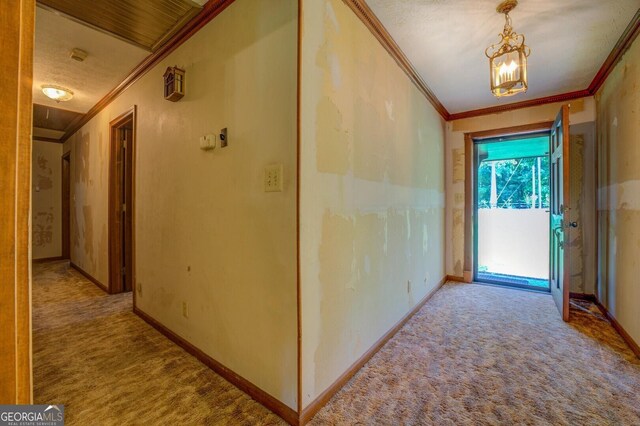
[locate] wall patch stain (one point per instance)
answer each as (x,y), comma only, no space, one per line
(332,143)
(43,228)
(458,165)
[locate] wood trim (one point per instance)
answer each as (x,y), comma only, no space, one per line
(307,414)
(16,32)
(469,183)
(623,44)
(468,208)
(210,10)
(583,296)
(298,191)
(455,278)
(270,402)
(45,139)
(89,277)
(47,259)
(65,206)
(512,130)
(621,331)
(371,21)
(115,243)
(563,97)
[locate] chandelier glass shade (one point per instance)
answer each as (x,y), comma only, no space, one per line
(508,58)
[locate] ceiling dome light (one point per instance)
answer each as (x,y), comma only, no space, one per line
(508,58)
(57,93)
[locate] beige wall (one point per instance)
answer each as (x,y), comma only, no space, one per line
(46,200)
(372,193)
(206,232)
(582,112)
(618,103)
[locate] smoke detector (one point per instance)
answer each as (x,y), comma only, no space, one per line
(78,54)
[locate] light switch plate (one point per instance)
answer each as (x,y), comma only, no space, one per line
(273,178)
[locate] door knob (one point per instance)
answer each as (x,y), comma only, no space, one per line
(572,225)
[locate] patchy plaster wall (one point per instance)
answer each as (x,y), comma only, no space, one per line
(46,200)
(618,108)
(582,114)
(206,232)
(372,193)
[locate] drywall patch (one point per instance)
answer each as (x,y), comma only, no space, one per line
(458,165)
(458,240)
(370,150)
(336,275)
(43,228)
(332,154)
(87,231)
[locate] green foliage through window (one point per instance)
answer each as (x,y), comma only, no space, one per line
(518,183)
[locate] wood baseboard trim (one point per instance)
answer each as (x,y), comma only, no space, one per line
(48,259)
(89,277)
(621,331)
(315,406)
(455,278)
(583,296)
(285,412)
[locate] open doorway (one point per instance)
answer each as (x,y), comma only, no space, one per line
(66,206)
(511,210)
(121,187)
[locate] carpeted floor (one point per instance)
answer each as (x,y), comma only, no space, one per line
(474,354)
(109,367)
(482,355)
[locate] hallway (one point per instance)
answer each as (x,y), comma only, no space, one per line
(109,367)
(473,355)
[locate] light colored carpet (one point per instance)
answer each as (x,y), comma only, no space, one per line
(481,355)
(473,355)
(109,367)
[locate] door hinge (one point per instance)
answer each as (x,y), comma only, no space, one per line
(123,271)
(124,144)
(124,207)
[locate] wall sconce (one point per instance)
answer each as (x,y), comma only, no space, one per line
(173,84)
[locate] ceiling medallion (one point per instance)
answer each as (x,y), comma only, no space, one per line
(508,58)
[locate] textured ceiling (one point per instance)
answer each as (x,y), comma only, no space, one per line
(144,23)
(445,41)
(109,61)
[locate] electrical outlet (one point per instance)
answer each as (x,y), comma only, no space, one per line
(273,178)
(185,310)
(140,289)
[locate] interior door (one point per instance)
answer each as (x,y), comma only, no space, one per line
(560,225)
(66,206)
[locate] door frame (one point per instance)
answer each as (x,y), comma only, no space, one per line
(66,206)
(470,181)
(115,239)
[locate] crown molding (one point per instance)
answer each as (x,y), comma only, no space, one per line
(623,44)
(210,10)
(371,21)
(517,105)
(366,15)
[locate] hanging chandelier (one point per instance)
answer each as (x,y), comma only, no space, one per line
(508,58)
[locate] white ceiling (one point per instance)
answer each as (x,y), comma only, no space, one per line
(445,41)
(109,61)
